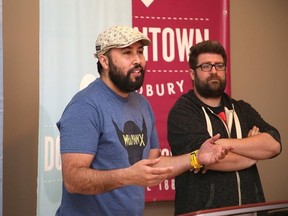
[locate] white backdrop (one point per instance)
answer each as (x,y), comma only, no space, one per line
(68,31)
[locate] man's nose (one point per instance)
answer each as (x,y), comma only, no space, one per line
(213,69)
(136,58)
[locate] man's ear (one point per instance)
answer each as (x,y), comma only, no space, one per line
(104,61)
(192,74)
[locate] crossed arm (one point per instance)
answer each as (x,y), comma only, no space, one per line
(247,151)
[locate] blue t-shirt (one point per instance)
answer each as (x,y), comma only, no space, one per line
(119,132)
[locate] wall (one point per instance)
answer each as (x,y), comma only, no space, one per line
(259,75)
(20,141)
(259,44)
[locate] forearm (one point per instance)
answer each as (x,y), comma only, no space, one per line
(179,164)
(88,181)
(259,147)
(232,162)
(208,154)
(79,177)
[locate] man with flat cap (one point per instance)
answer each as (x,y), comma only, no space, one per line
(108,140)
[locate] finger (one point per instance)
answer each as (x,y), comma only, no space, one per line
(227,150)
(214,138)
(221,156)
(254,131)
(150,162)
(161,171)
(224,152)
(256,128)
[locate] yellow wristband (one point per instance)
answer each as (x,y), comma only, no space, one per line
(193,160)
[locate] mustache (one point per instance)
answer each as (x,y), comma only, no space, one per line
(135,67)
(213,77)
(138,66)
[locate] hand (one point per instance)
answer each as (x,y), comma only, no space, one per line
(210,153)
(254,131)
(144,174)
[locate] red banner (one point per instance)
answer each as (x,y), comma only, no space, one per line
(173,27)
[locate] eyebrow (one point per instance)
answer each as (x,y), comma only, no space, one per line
(216,62)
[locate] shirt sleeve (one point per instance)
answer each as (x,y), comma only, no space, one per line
(252,118)
(79,131)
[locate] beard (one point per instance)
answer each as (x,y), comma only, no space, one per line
(124,82)
(210,88)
